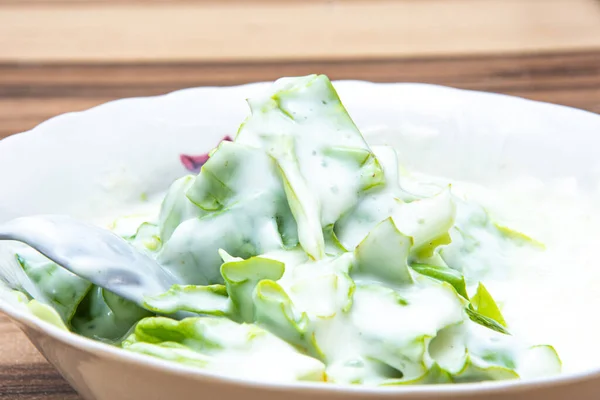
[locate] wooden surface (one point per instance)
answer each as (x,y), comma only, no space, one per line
(66,55)
(289,29)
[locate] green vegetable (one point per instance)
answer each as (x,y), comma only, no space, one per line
(427,221)
(46,313)
(384,254)
(484,304)
(304,206)
(518,237)
(102,315)
(275,312)
(486,321)
(241,278)
(444,274)
(458,350)
(435,375)
(202,342)
(301,123)
(211,300)
(176,207)
(147,238)
(249,215)
(61,288)
(538,361)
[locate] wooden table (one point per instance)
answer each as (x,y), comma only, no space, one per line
(66,55)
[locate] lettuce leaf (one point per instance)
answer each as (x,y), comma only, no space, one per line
(46,313)
(335,294)
(384,254)
(241,278)
(538,361)
(301,123)
(104,316)
(444,274)
(435,375)
(210,300)
(249,215)
(483,303)
(486,321)
(401,339)
(147,238)
(177,208)
(518,237)
(468,355)
(224,346)
(427,221)
(304,206)
(62,289)
(275,312)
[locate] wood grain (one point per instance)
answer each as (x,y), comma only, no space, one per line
(31,92)
(24,374)
(267,30)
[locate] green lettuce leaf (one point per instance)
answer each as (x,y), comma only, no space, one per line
(475,373)
(301,123)
(486,321)
(470,357)
(62,289)
(400,340)
(210,300)
(241,278)
(428,221)
(275,312)
(224,346)
(325,295)
(250,217)
(484,304)
(435,375)
(333,246)
(147,238)
(444,274)
(303,204)
(46,313)
(384,254)
(177,208)
(538,361)
(471,353)
(103,315)
(518,237)
(375,204)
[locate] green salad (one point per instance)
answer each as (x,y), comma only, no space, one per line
(306,258)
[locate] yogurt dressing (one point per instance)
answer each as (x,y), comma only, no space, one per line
(325,186)
(550,296)
(301,229)
(544,294)
(547,295)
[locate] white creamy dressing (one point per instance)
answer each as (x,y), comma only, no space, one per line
(251,352)
(367,329)
(550,296)
(547,296)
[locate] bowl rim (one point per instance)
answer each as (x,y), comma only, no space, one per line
(415,391)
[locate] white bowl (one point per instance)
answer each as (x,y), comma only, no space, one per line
(93,163)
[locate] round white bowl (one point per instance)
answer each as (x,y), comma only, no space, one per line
(94,163)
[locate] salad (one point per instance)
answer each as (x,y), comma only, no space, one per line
(306,254)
